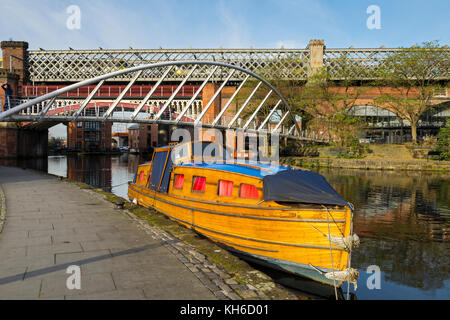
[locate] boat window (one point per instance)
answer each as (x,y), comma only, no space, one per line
(198,184)
(225,188)
(141,176)
(178,181)
(248,191)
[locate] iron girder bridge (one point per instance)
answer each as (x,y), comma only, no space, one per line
(288,64)
(246,118)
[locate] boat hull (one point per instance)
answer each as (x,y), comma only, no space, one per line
(281,238)
(294,268)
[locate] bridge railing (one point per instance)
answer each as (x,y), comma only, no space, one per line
(9,102)
(108,90)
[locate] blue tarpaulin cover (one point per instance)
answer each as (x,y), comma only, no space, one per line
(300,186)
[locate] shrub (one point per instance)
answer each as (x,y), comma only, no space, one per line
(443,142)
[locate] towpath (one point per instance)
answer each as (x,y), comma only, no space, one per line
(51,225)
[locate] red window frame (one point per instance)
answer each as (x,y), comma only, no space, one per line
(248,191)
(178,181)
(198,184)
(225,188)
(141,176)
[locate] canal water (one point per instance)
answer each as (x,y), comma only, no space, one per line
(402,219)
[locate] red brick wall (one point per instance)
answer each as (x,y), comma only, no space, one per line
(12,80)
(8,142)
(18,49)
(138,138)
(76,135)
(214,109)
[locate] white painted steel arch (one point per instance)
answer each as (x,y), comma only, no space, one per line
(16,113)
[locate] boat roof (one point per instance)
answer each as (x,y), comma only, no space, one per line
(253,169)
(247,167)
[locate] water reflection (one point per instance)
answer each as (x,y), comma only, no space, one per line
(110,173)
(403,220)
(401,217)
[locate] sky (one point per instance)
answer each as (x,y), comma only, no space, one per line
(144,24)
(117,24)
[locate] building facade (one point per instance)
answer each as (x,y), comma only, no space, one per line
(142,137)
(89,136)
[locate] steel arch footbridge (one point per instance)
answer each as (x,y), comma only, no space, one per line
(246,117)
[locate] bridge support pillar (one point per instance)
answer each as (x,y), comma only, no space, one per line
(316,48)
(15,57)
(8,140)
(21,143)
(207,93)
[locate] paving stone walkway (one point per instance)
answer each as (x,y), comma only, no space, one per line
(51,225)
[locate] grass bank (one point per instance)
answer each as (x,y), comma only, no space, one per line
(381,157)
(367,164)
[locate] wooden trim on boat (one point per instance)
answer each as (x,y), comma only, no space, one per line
(237,215)
(269,242)
(236,236)
(236,244)
(150,170)
(239,205)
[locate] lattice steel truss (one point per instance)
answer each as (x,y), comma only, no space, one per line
(362,64)
(288,64)
(78,65)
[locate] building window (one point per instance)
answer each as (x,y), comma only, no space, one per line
(79,124)
(178,181)
(225,188)
(248,191)
(198,184)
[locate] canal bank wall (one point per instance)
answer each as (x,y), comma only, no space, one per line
(396,165)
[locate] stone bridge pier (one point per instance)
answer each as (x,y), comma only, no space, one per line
(22,142)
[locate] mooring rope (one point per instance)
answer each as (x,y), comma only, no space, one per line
(331,255)
(117,185)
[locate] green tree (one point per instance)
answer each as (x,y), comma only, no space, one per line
(413,74)
(288,76)
(328,96)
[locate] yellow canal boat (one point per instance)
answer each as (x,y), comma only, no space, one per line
(284,218)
